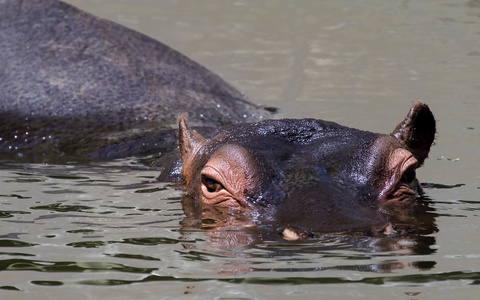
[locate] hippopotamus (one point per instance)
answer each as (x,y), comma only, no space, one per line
(308,176)
(73,85)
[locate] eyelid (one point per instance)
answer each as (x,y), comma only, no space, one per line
(213,174)
(409,163)
(400,161)
(228,192)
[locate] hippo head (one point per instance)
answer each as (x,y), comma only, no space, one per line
(308,176)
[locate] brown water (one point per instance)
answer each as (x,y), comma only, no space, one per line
(105,230)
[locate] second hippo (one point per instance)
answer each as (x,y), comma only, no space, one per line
(74,85)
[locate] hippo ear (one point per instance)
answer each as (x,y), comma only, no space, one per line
(190,142)
(417,132)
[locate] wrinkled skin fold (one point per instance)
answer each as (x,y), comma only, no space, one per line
(308,176)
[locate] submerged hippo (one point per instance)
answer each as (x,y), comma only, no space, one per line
(74,85)
(308,176)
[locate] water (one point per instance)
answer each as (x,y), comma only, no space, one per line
(108,231)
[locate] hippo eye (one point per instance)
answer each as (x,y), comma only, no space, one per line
(211,184)
(409,175)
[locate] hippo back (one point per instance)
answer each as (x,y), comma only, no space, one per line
(73,83)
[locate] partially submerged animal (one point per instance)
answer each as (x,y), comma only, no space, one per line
(74,85)
(308,176)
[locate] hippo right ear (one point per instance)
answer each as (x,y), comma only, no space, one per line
(190,142)
(417,132)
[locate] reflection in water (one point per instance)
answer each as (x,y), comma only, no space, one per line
(230,233)
(102,230)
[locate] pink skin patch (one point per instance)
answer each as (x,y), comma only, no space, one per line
(227,176)
(400,185)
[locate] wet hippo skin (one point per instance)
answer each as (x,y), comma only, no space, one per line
(74,84)
(308,176)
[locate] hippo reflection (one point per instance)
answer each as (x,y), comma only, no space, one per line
(308,176)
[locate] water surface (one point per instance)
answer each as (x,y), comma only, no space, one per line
(107,230)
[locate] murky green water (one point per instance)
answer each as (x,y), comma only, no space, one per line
(108,231)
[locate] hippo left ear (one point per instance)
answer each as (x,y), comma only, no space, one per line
(190,142)
(417,132)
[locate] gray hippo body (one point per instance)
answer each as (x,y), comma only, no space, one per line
(76,85)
